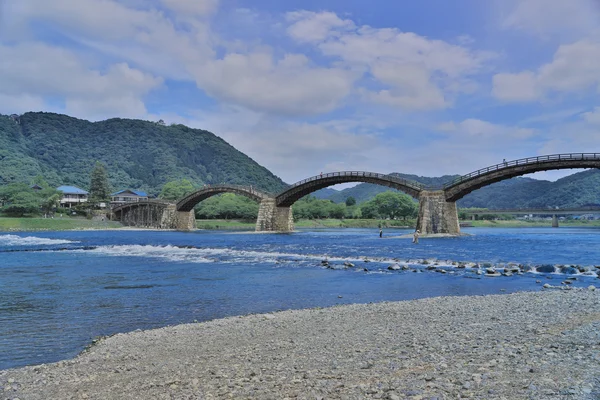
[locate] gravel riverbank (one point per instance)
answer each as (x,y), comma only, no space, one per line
(540,345)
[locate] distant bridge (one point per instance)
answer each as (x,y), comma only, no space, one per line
(543,211)
(437,205)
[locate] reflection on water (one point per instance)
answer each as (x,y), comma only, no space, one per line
(58,290)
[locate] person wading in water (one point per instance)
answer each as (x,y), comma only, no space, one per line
(416,236)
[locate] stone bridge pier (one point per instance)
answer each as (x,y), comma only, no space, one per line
(274,219)
(436,215)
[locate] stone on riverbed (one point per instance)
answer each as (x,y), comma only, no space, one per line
(546,268)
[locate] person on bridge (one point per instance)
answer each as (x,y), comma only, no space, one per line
(416,236)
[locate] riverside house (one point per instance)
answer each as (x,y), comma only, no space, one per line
(127,196)
(72,196)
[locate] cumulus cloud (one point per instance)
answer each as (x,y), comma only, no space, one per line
(192,7)
(145,37)
(411,87)
(119,88)
(544,18)
(414,72)
(573,68)
(312,27)
(288,86)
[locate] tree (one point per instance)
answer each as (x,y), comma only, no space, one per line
(389,205)
(350,201)
(394,205)
(369,210)
(176,190)
(40,181)
(99,186)
(25,202)
(51,202)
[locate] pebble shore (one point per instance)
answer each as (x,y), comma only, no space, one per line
(533,345)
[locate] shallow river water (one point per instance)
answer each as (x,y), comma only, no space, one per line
(59,290)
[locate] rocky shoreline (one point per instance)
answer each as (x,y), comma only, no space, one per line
(533,345)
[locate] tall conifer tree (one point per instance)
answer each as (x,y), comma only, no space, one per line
(99,186)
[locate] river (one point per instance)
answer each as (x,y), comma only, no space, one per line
(59,290)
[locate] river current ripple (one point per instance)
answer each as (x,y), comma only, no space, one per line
(59,290)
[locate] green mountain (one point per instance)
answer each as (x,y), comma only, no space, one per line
(137,154)
(582,188)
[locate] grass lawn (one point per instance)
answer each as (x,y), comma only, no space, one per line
(54,224)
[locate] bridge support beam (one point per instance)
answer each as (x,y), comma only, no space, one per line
(436,215)
(554,221)
(274,219)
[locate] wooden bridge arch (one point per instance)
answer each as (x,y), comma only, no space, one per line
(188,202)
(300,189)
(465,184)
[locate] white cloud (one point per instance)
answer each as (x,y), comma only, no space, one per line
(569,19)
(144,37)
(289,86)
(486,132)
(192,7)
(411,88)
(592,117)
(118,89)
(573,69)
(515,87)
(21,103)
(308,26)
(415,72)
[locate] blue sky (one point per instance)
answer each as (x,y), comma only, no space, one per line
(430,87)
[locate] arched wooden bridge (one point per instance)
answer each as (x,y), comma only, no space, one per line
(307,186)
(437,207)
(190,201)
(460,187)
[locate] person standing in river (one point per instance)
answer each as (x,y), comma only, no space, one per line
(380,232)
(416,236)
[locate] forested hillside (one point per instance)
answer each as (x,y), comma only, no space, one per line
(137,154)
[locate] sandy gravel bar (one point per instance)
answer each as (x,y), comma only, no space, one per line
(537,345)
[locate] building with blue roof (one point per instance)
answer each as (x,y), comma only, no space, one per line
(127,196)
(72,196)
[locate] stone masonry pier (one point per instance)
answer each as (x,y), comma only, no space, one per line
(274,219)
(436,215)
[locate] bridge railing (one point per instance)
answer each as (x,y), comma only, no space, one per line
(526,161)
(365,174)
